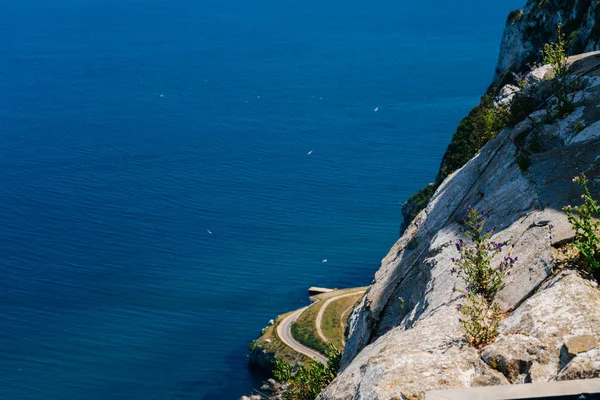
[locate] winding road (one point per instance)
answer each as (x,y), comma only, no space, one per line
(324,307)
(284,331)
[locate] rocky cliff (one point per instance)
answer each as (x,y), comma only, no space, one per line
(405,337)
(527,31)
(525,34)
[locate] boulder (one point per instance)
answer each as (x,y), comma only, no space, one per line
(548,330)
(576,345)
(514,356)
(583,366)
(404,363)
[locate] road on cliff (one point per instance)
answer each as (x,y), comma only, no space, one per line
(284,331)
(325,305)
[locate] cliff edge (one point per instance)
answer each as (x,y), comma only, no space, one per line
(405,336)
(527,31)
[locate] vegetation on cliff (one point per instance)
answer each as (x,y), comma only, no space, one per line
(585,220)
(528,30)
(268,346)
(489,117)
(480,314)
(305,382)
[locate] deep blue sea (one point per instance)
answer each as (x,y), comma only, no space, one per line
(129,129)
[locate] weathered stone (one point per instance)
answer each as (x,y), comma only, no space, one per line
(580,344)
(400,364)
(524,37)
(538,75)
(589,133)
(584,366)
(261,357)
(539,372)
(514,355)
(507,93)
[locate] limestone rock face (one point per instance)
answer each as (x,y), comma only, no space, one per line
(432,354)
(405,338)
(529,29)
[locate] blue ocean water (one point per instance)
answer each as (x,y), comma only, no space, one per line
(130,129)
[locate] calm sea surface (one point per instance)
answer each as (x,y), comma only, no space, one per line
(131,128)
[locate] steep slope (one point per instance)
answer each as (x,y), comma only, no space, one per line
(525,34)
(405,337)
(529,29)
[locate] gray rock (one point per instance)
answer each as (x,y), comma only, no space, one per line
(404,363)
(404,337)
(507,93)
(580,344)
(564,313)
(521,44)
(514,356)
(271,385)
(584,366)
(261,357)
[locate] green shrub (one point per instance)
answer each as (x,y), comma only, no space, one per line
(464,145)
(480,314)
(515,16)
(417,202)
(306,382)
(483,123)
(584,220)
(520,79)
(579,126)
(555,54)
(475,263)
(480,319)
(490,121)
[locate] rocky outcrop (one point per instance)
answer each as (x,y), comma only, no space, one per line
(405,337)
(415,204)
(261,357)
(529,29)
(525,34)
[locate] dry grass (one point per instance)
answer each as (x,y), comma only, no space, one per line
(332,323)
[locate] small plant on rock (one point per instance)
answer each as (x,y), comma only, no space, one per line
(579,126)
(475,263)
(490,121)
(480,315)
(305,382)
(555,54)
(480,319)
(520,79)
(584,220)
